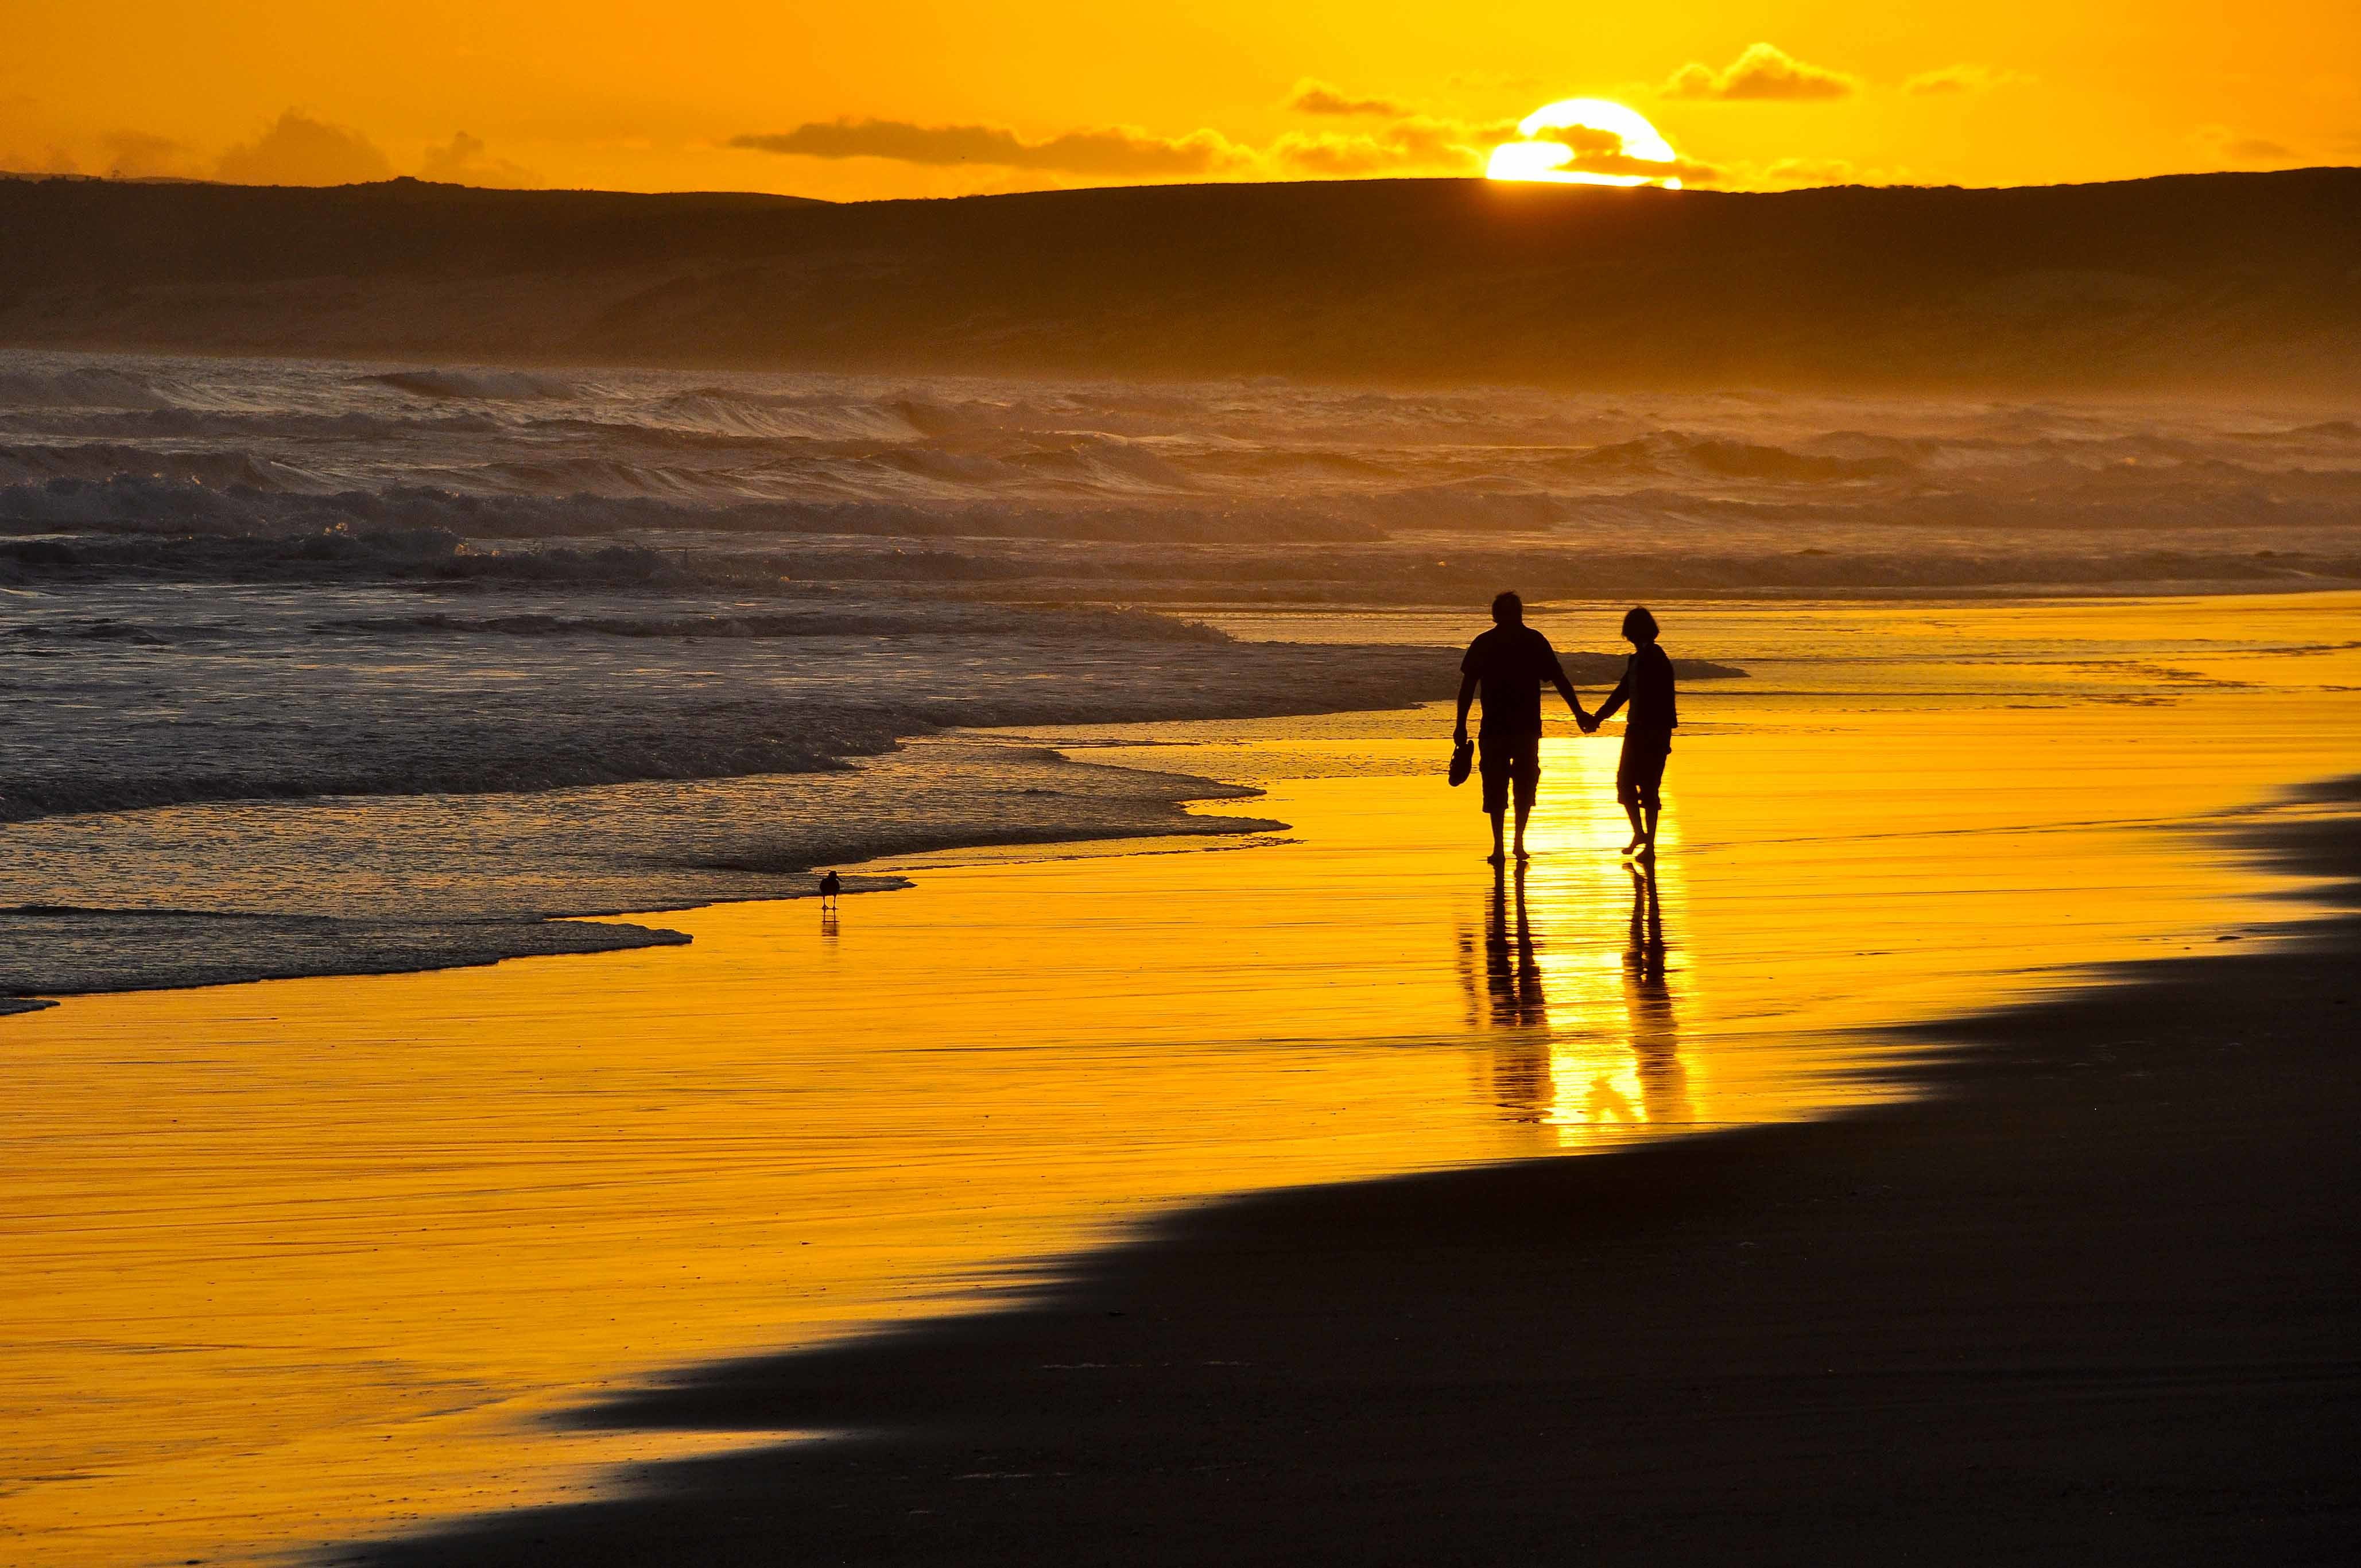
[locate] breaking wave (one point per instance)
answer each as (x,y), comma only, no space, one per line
(1671,453)
(484,386)
(81,387)
(659,482)
(28,463)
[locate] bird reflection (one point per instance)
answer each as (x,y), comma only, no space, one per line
(1648,1001)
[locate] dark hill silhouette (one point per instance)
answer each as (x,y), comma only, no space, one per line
(2190,281)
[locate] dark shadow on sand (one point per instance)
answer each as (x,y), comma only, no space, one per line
(2094,1300)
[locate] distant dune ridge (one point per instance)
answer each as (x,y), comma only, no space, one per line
(2241,282)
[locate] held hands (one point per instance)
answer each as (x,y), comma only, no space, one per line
(1589,722)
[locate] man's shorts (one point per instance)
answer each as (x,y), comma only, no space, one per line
(1510,759)
(1641,775)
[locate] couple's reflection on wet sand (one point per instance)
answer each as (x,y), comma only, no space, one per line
(1570,1071)
(1512,971)
(1648,1003)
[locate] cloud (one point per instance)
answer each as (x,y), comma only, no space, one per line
(464,160)
(1952,79)
(2226,146)
(55,160)
(1319,98)
(1590,149)
(1798,173)
(1585,140)
(1334,155)
(1601,152)
(1415,145)
(136,155)
(1437,140)
(1812,171)
(1809,173)
(1687,171)
(1117,150)
(300,150)
(1765,72)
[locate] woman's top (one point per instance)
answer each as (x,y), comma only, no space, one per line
(1647,685)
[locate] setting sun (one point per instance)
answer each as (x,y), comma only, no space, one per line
(1586,141)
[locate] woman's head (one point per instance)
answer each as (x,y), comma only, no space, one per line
(1638,625)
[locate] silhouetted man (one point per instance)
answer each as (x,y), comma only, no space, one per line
(1508,665)
(1647,685)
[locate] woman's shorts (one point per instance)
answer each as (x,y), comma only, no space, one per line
(1510,759)
(1641,775)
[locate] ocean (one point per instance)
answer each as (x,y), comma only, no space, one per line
(436,594)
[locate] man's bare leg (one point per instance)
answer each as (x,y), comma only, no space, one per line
(1496,857)
(1523,811)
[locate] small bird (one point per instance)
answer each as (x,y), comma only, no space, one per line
(830,884)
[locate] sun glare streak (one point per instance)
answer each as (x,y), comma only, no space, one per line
(1544,157)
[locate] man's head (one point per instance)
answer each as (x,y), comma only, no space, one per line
(1638,625)
(1508,610)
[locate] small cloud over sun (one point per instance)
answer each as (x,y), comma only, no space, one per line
(1591,141)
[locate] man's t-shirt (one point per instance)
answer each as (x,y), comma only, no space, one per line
(1509,663)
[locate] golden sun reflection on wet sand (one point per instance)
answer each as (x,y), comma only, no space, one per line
(1582,1079)
(303,1260)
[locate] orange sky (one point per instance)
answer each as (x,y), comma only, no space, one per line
(925,97)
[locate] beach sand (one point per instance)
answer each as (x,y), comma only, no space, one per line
(2091,1299)
(323,1260)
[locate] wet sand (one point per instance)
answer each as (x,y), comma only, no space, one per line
(319,1260)
(2092,1299)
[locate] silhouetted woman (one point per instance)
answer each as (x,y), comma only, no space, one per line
(1647,685)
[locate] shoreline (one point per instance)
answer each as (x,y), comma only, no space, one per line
(345,946)
(142,948)
(2087,1295)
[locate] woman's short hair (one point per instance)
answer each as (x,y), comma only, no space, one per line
(1508,608)
(1638,625)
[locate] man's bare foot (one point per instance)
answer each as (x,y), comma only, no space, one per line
(1647,852)
(1633,846)
(1494,859)
(1523,854)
